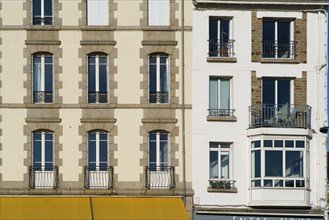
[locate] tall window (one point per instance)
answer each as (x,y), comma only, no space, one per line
(43,151)
(158,150)
(97,12)
(42,12)
(42,78)
(97,150)
(284,163)
(278,38)
(97,78)
(277,96)
(158,78)
(219,161)
(159,12)
(220,37)
(220,96)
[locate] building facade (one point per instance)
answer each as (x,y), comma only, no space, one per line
(93,100)
(259,76)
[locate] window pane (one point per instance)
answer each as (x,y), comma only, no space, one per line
(255,144)
(268,91)
(213,93)
(97,12)
(36,73)
(300,144)
(164,153)
(163,78)
(224,94)
(268,183)
(158,12)
(103,151)
(224,165)
(152,153)
(283,92)
(91,153)
(36,152)
(289,144)
(268,143)
(278,143)
(213,164)
(269,31)
(224,31)
(48,10)
(283,31)
(214,145)
(255,163)
(213,29)
(102,78)
(91,74)
(48,77)
(294,164)
(48,151)
(273,163)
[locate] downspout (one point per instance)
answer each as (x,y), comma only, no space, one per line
(183,101)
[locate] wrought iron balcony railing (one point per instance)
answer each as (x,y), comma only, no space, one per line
(42,97)
(286,116)
(279,50)
(221,112)
(218,48)
(160,177)
(99,177)
(46,20)
(159,97)
(221,184)
(43,177)
(97,97)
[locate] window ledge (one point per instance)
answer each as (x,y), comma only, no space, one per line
(273,60)
(43,28)
(221,59)
(222,118)
(222,190)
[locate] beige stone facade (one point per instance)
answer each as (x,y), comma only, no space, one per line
(127,116)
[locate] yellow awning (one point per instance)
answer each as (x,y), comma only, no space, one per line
(139,208)
(96,208)
(44,208)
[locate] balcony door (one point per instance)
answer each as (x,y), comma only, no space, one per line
(159,170)
(276,98)
(97,169)
(43,160)
(220,36)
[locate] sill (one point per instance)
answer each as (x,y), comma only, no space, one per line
(278,60)
(43,28)
(221,59)
(230,118)
(159,28)
(97,28)
(222,190)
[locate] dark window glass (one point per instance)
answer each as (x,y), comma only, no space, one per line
(273,163)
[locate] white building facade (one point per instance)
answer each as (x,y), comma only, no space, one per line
(259,98)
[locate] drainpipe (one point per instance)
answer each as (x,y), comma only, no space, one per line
(183,101)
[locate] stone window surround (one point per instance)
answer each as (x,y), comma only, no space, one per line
(300,89)
(83,20)
(172,53)
(48,125)
(173,132)
(174,22)
(300,26)
(89,125)
(111,53)
(29,51)
(57,21)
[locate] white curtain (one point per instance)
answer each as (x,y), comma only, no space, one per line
(158,12)
(97,12)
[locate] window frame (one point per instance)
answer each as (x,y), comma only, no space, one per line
(99,95)
(156,18)
(277,181)
(97,142)
(220,46)
(162,158)
(276,45)
(40,97)
(42,15)
(43,152)
(219,111)
(219,151)
(158,96)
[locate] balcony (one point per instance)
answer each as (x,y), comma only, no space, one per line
(280,116)
(221,115)
(97,97)
(279,50)
(221,51)
(43,177)
(160,177)
(42,97)
(98,177)
(159,97)
(222,185)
